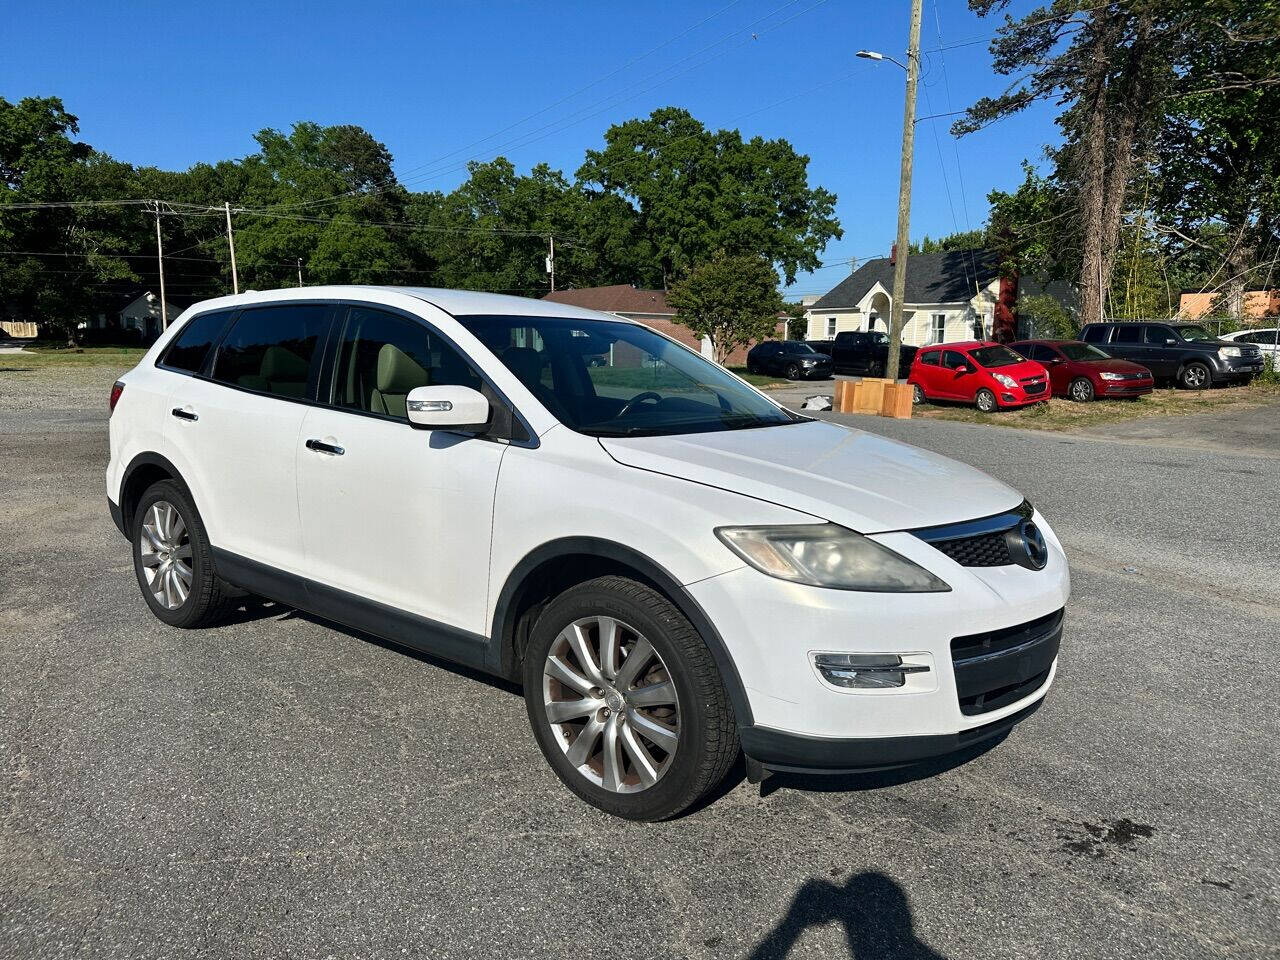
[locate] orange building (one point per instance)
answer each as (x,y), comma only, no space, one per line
(1259,303)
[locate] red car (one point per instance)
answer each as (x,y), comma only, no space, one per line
(988,375)
(1083,372)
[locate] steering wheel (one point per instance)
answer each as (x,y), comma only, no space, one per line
(639,398)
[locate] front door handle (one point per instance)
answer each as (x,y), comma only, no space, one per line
(184,414)
(321,447)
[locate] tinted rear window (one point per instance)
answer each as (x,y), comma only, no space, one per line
(1095,334)
(189,350)
(269,349)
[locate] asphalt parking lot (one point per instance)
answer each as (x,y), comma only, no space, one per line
(282,787)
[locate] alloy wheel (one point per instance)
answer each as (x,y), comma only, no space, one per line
(1194,376)
(1081,391)
(611,704)
(165,551)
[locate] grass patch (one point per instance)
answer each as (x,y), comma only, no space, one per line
(42,355)
(761,380)
(1059,414)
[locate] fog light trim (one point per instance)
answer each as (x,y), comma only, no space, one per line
(865,671)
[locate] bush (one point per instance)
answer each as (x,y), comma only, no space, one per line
(1270,370)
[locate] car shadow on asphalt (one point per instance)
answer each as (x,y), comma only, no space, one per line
(872,908)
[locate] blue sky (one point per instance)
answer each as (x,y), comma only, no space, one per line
(170,84)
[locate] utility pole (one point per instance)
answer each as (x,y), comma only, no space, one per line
(299,271)
(904,195)
(551,261)
(231,240)
(164,308)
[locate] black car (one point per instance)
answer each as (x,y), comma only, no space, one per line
(793,359)
(1184,352)
(866,352)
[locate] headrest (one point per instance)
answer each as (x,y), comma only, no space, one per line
(525,363)
(281,364)
(398,372)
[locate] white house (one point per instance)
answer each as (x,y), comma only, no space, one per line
(950,296)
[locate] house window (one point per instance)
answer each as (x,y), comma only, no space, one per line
(831,327)
(871,320)
(939,328)
(980,327)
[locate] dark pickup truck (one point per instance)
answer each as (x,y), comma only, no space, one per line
(863,353)
(1184,352)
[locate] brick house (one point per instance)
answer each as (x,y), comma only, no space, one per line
(1258,303)
(648,307)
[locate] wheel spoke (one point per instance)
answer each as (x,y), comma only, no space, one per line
(150,535)
(609,646)
(166,594)
(559,670)
(179,528)
(641,759)
(583,747)
(179,588)
(657,733)
(149,559)
(654,695)
(611,778)
(561,711)
(635,663)
(183,574)
(581,646)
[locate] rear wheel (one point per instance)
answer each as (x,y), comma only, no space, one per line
(875,369)
(173,560)
(1194,376)
(917,395)
(985,401)
(1081,390)
(626,701)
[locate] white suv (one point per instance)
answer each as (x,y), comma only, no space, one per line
(676,567)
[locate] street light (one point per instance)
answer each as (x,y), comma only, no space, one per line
(876,55)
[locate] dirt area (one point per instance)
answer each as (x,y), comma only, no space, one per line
(44,378)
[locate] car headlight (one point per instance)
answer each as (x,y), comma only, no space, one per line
(1006,380)
(826,555)
(1225,352)
(807,361)
(1112,376)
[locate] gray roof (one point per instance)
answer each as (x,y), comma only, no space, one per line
(947,277)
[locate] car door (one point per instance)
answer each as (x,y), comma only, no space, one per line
(769,354)
(1128,342)
(235,430)
(958,379)
(1059,369)
(926,370)
(395,514)
(1160,355)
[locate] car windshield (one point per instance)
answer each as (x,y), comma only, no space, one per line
(615,379)
(1082,351)
(995,356)
(1194,333)
(797,346)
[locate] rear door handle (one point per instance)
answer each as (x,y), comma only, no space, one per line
(321,447)
(184,414)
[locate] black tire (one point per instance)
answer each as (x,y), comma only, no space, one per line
(707,742)
(208,599)
(1195,376)
(875,369)
(793,371)
(1081,390)
(985,401)
(917,395)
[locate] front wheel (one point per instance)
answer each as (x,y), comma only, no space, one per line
(1194,376)
(985,401)
(1081,390)
(626,702)
(793,371)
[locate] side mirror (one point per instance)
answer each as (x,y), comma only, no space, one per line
(962,369)
(447,408)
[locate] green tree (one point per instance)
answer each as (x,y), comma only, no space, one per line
(964,240)
(1114,68)
(68,254)
(733,300)
(698,192)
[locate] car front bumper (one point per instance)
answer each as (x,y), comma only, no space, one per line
(799,721)
(1126,388)
(1237,368)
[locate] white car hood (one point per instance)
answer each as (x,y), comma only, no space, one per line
(857,479)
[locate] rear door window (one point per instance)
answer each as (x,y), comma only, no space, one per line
(191,347)
(1096,333)
(270,349)
(1129,333)
(930,357)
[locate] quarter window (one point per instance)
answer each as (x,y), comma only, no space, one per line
(269,349)
(382,356)
(189,350)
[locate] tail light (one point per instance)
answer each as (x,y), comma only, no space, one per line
(117,388)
